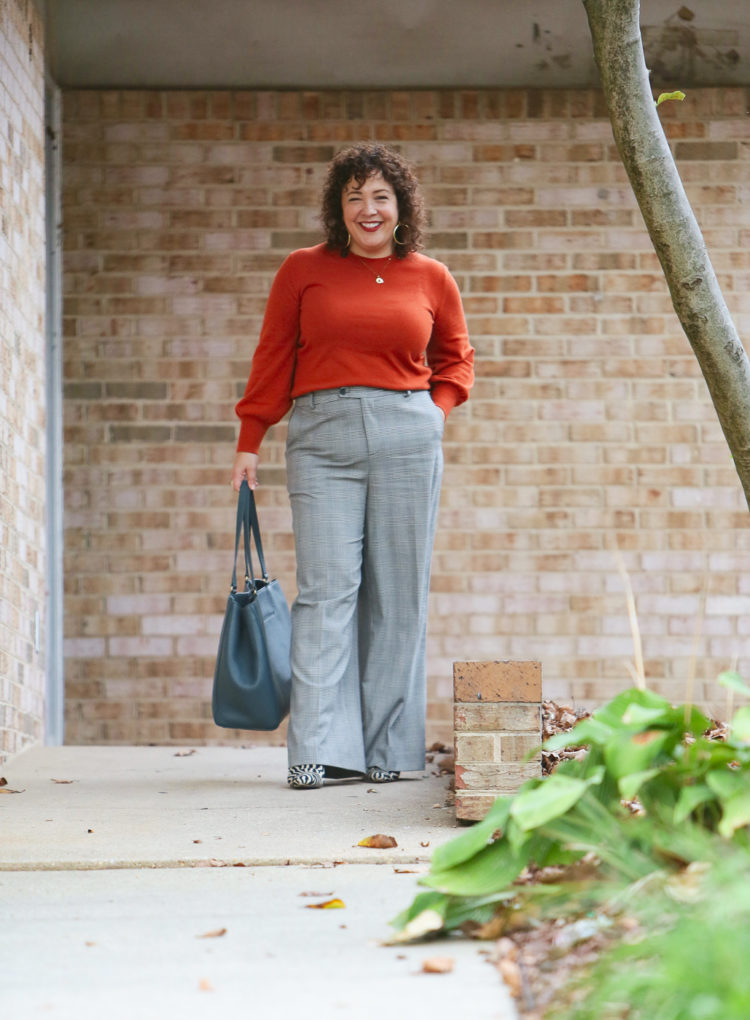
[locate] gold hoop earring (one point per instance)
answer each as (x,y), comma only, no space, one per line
(348,239)
(395,230)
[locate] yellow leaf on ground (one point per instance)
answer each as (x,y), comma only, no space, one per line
(216,934)
(334,904)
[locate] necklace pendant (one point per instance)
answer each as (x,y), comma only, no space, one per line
(379,279)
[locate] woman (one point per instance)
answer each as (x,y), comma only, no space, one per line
(368,339)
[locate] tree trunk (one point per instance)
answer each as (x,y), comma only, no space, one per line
(674,232)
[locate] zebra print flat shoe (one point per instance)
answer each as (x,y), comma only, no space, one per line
(378,775)
(305,777)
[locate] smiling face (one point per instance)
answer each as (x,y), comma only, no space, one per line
(370,215)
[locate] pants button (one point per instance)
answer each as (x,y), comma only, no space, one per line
(343,391)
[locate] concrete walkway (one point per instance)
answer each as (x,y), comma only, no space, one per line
(119,865)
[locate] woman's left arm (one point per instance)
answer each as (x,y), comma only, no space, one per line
(450,355)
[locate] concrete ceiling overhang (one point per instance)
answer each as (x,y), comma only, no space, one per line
(322,44)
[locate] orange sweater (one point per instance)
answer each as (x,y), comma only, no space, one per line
(329,324)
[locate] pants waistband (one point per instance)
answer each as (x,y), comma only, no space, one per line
(355,392)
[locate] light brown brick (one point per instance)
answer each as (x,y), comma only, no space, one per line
(497,717)
(472,807)
(495,778)
(497,681)
(514,747)
(473,747)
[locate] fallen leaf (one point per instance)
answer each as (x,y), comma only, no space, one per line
(185,754)
(63,782)
(89,943)
(510,972)
(7,789)
(204,985)
(404,871)
(3,781)
(197,840)
(437,965)
(216,934)
(89,830)
(425,923)
(425,843)
(317,895)
(334,904)
(378,842)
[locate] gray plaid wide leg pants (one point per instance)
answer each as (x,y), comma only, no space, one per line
(364,468)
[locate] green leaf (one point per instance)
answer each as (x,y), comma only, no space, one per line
(667,96)
(490,871)
(587,731)
(630,785)
(734,682)
(613,712)
(628,753)
(434,901)
(690,798)
(645,716)
(726,783)
(552,798)
(740,725)
(736,813)
(473,840)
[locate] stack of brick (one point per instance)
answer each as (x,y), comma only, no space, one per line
(497,719)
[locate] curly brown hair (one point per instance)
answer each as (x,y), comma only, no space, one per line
(359,163)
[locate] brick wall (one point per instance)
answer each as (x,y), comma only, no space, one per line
(589,427)
(22,343)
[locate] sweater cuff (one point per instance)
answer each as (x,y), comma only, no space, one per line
(251,435)
(445,396)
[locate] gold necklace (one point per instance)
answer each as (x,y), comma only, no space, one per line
(378,277)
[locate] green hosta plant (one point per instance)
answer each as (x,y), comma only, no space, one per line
(633,804)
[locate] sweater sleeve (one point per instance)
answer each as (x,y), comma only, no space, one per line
(267,396)
(450,356)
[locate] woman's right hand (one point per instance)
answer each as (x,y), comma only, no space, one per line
(245,467)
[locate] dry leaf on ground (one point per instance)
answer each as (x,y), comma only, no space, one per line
(334,904)
(437,965)
(185,754)
(63,782)
(204,985)
(378,842)
(216,934)
(317,895)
